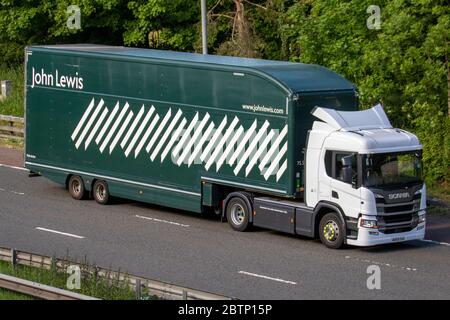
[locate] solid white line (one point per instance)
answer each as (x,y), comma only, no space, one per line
(249,186)
(59,232)
(163,221)
(167,132)
(107,124)
(65,170)
(266,277)
(83,119)
(13,167)
(121,131)
(140,130)
(114,127)
(436,242)
(133,126)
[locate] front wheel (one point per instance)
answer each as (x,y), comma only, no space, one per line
(331,231)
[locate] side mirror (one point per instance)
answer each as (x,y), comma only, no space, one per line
(354,181)
(348,174)
(348,171)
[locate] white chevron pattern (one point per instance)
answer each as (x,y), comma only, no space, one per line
(197,140)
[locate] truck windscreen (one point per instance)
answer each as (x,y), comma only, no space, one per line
(388,169)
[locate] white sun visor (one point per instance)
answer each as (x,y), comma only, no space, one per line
(373,118)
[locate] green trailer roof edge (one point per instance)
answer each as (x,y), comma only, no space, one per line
(202,65)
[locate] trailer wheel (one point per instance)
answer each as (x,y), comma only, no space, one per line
(331,231)
(238,214)
(100,192)
(76,188)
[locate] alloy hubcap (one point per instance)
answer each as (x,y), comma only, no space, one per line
(76,187)
(101,192)
(237,214)
(331,231)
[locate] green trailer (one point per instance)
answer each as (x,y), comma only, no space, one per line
(182,130)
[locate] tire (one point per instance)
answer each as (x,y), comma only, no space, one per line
(76,188)
(100,192)
(238,214)
(331,231)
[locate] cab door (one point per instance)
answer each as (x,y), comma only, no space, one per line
(344,182)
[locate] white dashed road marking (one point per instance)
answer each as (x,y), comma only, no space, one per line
(266,277)
(59,232)
(381,263)
(13,192)
(163,221)
(436,242)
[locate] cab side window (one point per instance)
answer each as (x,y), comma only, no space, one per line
(341,166)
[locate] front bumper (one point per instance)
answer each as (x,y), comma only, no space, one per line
(372,237)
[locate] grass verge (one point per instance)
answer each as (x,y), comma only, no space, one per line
(438,211)
(13,105)
(90,284)
(12,143)
(10,295)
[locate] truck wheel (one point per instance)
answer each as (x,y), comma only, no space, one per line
(331,231)
(100,191)
(76,188)
(238,214)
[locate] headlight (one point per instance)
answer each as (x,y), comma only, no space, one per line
(422,216)
(372,224)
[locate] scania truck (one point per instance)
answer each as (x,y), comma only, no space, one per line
(271,144)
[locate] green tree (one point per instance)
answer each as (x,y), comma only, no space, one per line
(163,24)
(45,22)
(404,65)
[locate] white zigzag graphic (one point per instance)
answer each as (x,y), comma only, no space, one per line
(196,141)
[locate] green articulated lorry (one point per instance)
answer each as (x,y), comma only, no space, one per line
(273,144)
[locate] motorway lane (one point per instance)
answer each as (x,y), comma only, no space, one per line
(202,253)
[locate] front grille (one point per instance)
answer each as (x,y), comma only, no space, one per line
(398,218)
(399,208)
(397,230)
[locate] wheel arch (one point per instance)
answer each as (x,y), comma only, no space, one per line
(68,179)
(321,209)
(246,196)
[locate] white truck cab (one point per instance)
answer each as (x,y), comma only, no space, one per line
(357,162)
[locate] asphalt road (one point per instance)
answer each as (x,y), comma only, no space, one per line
(205,254)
